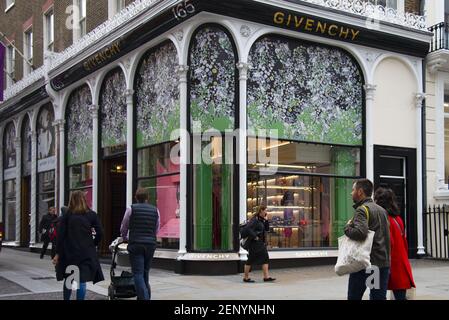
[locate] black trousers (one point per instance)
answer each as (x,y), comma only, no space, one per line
(45,246)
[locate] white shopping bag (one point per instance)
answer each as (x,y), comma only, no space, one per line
(353,256)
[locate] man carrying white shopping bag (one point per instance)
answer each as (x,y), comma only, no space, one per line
(369,217)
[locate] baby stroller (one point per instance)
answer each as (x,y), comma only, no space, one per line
(122,286)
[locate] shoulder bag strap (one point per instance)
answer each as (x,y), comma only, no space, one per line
(367,213)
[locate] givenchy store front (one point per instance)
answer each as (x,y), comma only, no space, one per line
(217,108)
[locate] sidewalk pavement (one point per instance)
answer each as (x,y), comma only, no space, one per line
(306,283)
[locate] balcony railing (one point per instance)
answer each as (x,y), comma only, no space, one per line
(440,40)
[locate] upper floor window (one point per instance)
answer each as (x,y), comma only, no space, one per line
(79,19)
(10,66)
(386,3)
(82,17)
(115,6)
(9,4)
(49,31)
(28,52)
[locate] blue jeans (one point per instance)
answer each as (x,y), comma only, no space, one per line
(357,285)
(140,257)
(400,294)
(80,293)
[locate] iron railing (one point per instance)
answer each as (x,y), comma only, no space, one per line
(440,38)
(437,232)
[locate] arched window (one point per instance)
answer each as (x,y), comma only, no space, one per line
(213,108)
(46,164)
(157,117)
(309,99)
(9,182)
(80,141)
(26,147)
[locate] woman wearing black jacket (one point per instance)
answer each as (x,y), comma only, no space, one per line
(76,246)
(257,249)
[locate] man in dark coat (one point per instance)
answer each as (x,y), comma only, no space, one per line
(47,229)
(141,220)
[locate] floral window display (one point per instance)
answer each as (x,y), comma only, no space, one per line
(26,147)
(9,184)
(157,117)
(9,146)
(46,133)
(212,79)
(113,111)
(46,152)
(80,141)
(79,127)
(157,96)
(305,91)
(213,70)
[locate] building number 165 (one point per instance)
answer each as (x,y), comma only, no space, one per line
(183,9)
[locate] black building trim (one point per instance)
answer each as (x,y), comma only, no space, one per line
(248,10)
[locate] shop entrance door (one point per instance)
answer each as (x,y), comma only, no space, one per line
(395,168)
(113,199)
(26,212)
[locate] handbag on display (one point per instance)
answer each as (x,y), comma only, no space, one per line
(354,256)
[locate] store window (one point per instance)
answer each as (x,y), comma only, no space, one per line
(46,162)
(307,193)
(115,6)
(212,61)
(9,185)
(80,141)
(305,121)
(160,176)
(113,113)
(157,117)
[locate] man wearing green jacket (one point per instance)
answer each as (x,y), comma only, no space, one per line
(369,216)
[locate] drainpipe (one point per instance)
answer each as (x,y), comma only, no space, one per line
(424,155)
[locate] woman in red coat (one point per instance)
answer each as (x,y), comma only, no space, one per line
(401,277)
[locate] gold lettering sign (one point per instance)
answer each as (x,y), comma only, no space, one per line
(315,26)
(102,56)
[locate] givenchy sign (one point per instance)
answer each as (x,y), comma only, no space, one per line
(301,23)
(103,56)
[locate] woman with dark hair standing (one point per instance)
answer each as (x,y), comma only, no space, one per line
(401,277)
(257,250)
(76,246)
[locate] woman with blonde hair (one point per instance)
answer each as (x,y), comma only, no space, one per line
(76,246)
(257,249)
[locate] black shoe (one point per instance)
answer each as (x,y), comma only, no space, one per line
(42,257)
(270,279)
(248,280)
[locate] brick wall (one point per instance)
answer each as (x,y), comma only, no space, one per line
(97,13)
(63,35)
(11,24)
